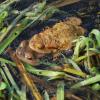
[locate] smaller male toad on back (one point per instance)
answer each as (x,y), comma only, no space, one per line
(51,40)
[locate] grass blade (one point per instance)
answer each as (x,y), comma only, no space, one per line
(47,73)
(46,96)
(87,82)
(2,86)
(4,77)
(60,91)
(95,33)
(75,72)
(7,61)
(10,77)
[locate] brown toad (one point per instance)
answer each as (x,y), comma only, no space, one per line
(51,40)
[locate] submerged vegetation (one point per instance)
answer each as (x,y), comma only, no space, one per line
(73,75)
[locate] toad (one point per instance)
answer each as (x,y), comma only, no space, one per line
(51,40)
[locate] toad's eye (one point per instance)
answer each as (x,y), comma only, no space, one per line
(28,55)
(38,46)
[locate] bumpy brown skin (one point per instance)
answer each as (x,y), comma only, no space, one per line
(59,37)
(51,40)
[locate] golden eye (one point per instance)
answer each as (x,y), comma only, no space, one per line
(28,55)
(38,46)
